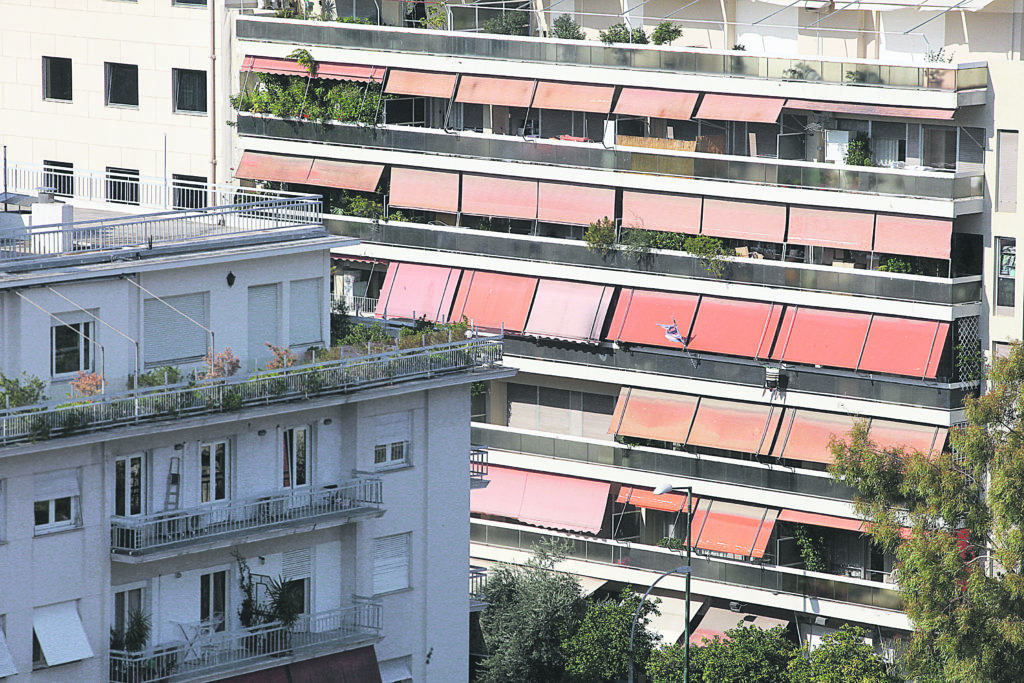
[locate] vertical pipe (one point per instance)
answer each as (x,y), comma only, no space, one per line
(212,102)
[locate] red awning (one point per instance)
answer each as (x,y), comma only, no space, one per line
(349,175)
(805,434)
(569,310)
(666,212)
(913,235)
(818,337)
(574,204)
(494,301)
(744,220)
(596,99)
(871,110)
(640,313)
(506,92)
(831,228)
(657,415)
(503,495)
(927,439)
(355,666)
(645,498)
(484,195)
(733,528)
(412,291)
(815,519)
(413,188)
(420,83)
(660,104)
(734,327)
(556,502)
(903,346)
(281,169)
(329,70)
(740,108)
(278,674)
(734,426)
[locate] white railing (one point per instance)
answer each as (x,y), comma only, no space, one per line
(149,231)
(358,306)
(53,419)
(157,531)
(183,661)
(143,191)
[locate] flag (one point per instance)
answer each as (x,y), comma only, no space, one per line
(673,334)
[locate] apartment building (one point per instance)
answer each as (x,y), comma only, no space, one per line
(339,479)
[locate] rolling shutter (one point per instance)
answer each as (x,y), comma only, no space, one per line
(170,338)
(390,563)
(263,319)
(304,322)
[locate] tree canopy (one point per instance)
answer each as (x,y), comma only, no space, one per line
(959,568)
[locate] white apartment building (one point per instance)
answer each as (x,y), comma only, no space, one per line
(345,481)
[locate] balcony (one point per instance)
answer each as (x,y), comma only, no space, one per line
(477,582)
(222,653)
(764,272)
(164,531)
(477,462)
(807,175)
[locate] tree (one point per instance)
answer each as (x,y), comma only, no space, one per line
(665,33)
(599,650)
(566,28)
(620,33)
(748,655)
(513,23)
(842,657)
(960,568)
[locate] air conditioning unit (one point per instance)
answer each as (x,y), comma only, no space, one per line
(735,606)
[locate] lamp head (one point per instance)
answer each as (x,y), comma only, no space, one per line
(663,488)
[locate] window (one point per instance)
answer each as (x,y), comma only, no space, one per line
(122,84)
(1006,273)
(7,667)
(57,78)
(126,602)
(59,176)
(939,146)
(212,592)
(295,463)
(56,500)
(70,348)
(1006,173)
(1000,350)
(58,636)
(122,185)
(190,3)
(129,485)
(189,91)
(391,563)
(213,471)
(174,329)
(189,191)
(296,568)
(392,442)
(389,454)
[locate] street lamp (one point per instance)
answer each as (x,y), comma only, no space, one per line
(686,569)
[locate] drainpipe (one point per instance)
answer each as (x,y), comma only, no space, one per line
(213,102)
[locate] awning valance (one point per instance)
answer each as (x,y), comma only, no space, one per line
(814,519)
(871,110)
(329,70)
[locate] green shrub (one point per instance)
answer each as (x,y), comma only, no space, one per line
(158,377)
(513,23)
(858,152)
(566,28)
(25,390)
(710,252)
(895,265)
(665,32)
(620,33)
(600,236)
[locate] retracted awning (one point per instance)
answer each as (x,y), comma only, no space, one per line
(927,439)
(348,175)
(640,314)
(904,346)
(495,91)
(744,220)
(574,204)
(820,337)
(913,235)
(413,188)
(484,195)
(503,494)
(656,415)
(646,498)
(569,310)
(735,327)
(805,434)
(831,228)
(329,70)
(60,633)
(548,500)
(412,291)
(665,212)
(660,104)
(7,666)
(275,167)
(420,83)
(733,528)
(734,426)
(494,301)
(749,108)
(814,519)
(871,110)
(595,99)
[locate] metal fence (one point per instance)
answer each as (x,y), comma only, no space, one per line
(183,661)
(43,421)
(477,461)
(358,306)
(157,531)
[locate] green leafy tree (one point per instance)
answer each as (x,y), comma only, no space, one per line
(599,650)
(665,32)
(858,152)
(600,236)
(512,23)
(621,33)
(748,655)
(710,251)
(841,657)
(566,28)
(667,663)
(25,390)
(960,569)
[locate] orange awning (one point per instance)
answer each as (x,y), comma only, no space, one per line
(640,312)
(503,495)
(660,104)
(735,327)
(329,70)
(546,500)
(740,108)
(805,434)
(275,167)
(506,92)
(744,220)
(412,291)
(815,519)
(819,337)
(494,301)
(420,83)
(656,415)
(831,228)
(913,235)
(734,426)
(665,212)
(574,204)
(904,346)
(595,99)
(349,175)
(871,110)
(733,528)
(645,498)
(569,310)
(413,188)
(484,195)
(927,439)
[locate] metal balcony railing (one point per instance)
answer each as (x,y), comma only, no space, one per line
(358,306)
(477,583)
(477,461)
(222,652)
(162,530)
(53,419)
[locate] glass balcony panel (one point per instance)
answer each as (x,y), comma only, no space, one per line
(709,63)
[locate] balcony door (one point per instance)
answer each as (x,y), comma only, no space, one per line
(129,485)
(214,475)
(213,600)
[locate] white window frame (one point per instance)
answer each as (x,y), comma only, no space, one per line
(212,479)
(51,525)
(287,479)
(121,611)
(392,446)
(208,577)
(125,495)
(1006,264)
(86,352)
(392,563)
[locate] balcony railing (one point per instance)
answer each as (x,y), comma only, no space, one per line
(224,652)
(164,530)
(778,172)
(705,568)
(358,306)
(53,419)
(851,73)
(477,461)
(477,582)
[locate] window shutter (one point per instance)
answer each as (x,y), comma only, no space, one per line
(297,564)
(390,563)
(59,484)
(394,427)
(263,319)
(304,313)
(7,667)
(169,337)
(1006,176)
